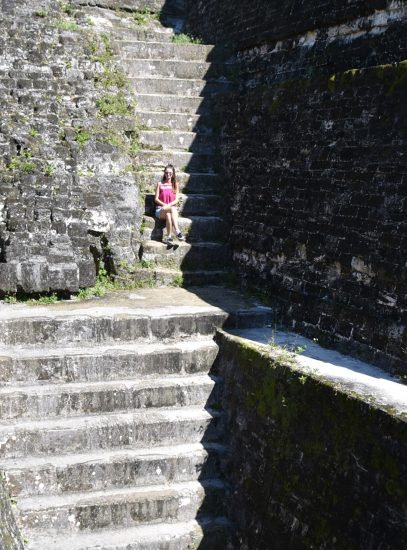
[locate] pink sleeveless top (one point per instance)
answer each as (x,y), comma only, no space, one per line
(166,194)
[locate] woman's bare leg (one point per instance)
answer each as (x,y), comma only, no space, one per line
(174,215)
(166,215)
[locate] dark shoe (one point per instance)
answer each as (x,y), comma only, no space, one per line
(170,241)
(180,236)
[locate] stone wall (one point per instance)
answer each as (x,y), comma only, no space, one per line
(10,538)
(252,22)
(68,200)
(312,466)
(313,149)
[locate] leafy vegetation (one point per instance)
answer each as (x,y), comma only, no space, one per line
(182,38)
(49,170)
(144,17)
(114,104)
(67,8)
(41,300)
(22,163)
(66,25)
(82,136)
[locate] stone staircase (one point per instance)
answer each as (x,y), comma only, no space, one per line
(176,86)
(110,427)
(111,435)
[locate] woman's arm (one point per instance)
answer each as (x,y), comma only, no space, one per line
(157,194)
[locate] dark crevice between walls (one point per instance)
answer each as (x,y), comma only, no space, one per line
(312,144)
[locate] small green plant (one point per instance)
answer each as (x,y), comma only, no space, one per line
(281,353)
(114,105)
(178,280)
(182,38)
(82,137)
(144,17)
(147,264)
(112,77)
(33,132)
(67,25)
(65,7)
(113,138)
(41,13)
(102,285)
(22,164)
(43,300)
(49,170)
(134,147)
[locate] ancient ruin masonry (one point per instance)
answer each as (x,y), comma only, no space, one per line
(111,423)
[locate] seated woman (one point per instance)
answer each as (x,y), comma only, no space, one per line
(166,198)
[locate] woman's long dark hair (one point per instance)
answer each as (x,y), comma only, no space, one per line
(173,179)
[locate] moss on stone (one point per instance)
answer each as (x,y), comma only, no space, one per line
(337,454)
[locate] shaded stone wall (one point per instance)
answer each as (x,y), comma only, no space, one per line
(248,23)
(314,155)
(68,200)
(311,466)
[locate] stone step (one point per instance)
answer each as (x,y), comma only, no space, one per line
(106,11)
(125,507)
(183,161)
(186,141)
(186,256)
(191,183)
(138,429)
(175,104)
(165,277)
(127,29)
(177,69)
(180,86)
(54,400)
(192,205)
(195,229)
(207,534)
(93,364)
(140,33)
(103,326)
(167,121)
(113,469)
(132,50)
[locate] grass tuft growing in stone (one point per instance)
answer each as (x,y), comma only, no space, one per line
(110,104)
(67,25)
(183,38)
(144,17)
(82,137)
(21,163)
(178,281)
(41,300)
(48,170)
